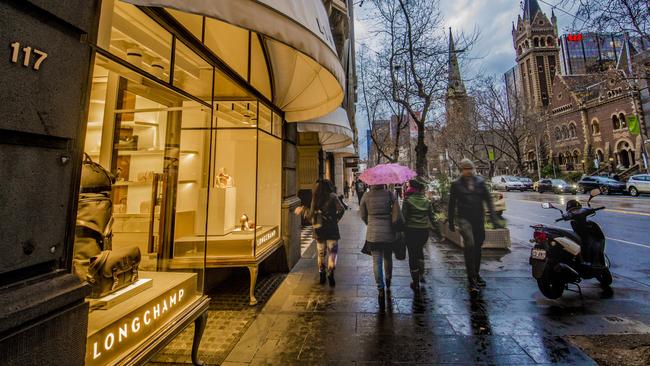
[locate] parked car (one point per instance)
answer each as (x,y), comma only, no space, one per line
(606,185)
(507,183)
(638,184)
(558,186)
(498,200)
(527,183)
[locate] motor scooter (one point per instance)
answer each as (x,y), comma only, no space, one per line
(561,257)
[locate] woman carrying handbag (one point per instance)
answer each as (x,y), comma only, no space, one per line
(376,210)
(325,212)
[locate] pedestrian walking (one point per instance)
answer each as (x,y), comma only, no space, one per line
(325,212)
(346,190)
(418,220)
(360,187)
(376,209)
(467,195)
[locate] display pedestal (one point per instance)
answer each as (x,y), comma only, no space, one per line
(133,331)
(221,211)
(122,295)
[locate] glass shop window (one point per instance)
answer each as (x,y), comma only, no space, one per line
(269,191)
(192,73)
(141,41)
(156,144)
(265,118)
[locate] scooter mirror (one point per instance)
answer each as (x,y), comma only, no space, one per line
(547,205)
(595,192)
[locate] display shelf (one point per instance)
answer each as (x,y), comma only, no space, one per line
(128,183)
(152,152)
(125,124)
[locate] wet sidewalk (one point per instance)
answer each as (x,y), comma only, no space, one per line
(510,323)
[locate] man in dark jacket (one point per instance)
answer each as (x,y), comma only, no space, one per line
(466,198)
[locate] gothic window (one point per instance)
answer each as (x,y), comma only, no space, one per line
(535,42)
(615,122)
(558,134)
(542,42)
(560,158)
(595,127)
(621,118)
(565,132)
(519,50)
(600,156)
(572,130)
(549,41)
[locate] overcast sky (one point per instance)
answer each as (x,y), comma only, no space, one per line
(493,52)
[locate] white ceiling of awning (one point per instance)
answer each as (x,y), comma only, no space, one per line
(333,129)
(346,151)
(307,75)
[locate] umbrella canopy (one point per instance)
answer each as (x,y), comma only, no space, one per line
(387,174)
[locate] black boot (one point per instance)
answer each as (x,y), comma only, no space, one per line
(322,277)
(330,278)
(480,281)
(387,284)
(415,280)
(474,288)
(381,298)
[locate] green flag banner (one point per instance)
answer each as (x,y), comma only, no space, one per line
(633,125)
(491,155)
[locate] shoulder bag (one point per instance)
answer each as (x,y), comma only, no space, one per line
(397,221)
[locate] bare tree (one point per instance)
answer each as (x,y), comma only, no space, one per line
(623,16)
(379,106)
(414,49)
(502,116)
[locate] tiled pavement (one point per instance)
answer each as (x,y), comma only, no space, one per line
(307,323)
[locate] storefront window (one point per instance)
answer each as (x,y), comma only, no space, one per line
(141,41)
(192,73)
(197,161)
(124,241)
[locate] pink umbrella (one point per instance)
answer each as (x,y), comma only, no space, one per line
(387,174)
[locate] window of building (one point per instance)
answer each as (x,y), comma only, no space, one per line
(572,130)
(565,132)
(595,127)
(549,41)
(542,42)
(558,134)
(622,120)
(535,42)
(616,124)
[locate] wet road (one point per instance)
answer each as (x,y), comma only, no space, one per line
(626,223)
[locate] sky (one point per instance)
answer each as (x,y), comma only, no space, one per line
(492,53)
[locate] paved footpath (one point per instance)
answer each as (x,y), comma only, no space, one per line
(306,323)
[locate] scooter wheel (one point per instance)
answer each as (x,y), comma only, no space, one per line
(550,289)
(605,278)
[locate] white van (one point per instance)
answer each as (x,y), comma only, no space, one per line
(507,183)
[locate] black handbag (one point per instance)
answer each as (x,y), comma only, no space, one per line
(113,270)
(94,178)
(399,246)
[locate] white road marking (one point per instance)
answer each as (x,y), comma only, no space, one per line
(559,227)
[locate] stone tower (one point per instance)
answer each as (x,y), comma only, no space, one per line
(535,39)
(458,104)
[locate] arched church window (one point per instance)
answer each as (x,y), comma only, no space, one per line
(565,132)
(615,122)
(595,127)
(572,130)
(549,41)
(558,134)
(542,42)
(621,118)
(535,42)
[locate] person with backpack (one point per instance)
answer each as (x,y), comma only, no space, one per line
(376,210)
(324,213)
(418,220)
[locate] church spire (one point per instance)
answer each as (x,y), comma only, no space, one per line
(455,86)
(531,7)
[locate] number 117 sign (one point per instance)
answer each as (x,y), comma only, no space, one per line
(26,55)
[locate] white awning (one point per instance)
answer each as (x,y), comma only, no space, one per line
(307,75)
(345,152)
(333,129)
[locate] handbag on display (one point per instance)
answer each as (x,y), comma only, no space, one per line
(94,178)
(113,270)
(94,225)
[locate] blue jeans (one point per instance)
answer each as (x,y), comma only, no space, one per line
(379,256)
